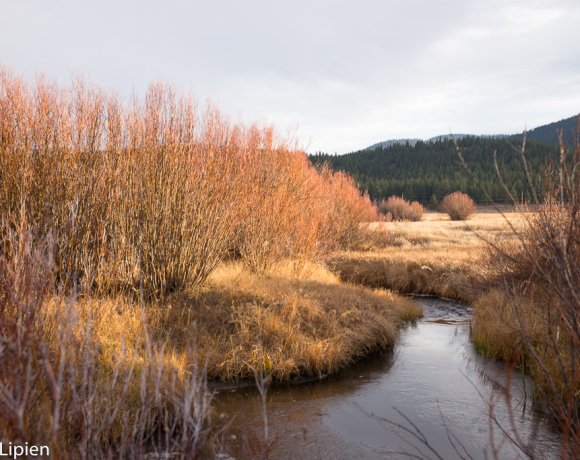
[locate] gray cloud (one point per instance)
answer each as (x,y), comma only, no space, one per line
(348,73)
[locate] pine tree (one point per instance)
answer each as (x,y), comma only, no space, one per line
(433,202)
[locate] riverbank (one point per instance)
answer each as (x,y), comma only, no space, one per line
(293,324)
(519,282)
(134,364)
(448,259)
(432,372)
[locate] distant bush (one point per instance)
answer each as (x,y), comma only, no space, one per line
(400,209)
(458,205)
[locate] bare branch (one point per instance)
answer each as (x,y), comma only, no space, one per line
(522,154)
(500,178)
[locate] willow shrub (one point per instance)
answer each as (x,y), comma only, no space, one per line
(156,191)
(458,206)
(400,209)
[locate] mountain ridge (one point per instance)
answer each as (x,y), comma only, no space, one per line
(413,141)
(543,133)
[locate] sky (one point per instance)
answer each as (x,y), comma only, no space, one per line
(338,75)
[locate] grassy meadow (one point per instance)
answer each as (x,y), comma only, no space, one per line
(435,256)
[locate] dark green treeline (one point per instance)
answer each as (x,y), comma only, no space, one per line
(431,169)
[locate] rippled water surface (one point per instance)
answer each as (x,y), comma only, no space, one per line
(433,374)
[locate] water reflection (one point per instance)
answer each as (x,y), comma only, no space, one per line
(433,372)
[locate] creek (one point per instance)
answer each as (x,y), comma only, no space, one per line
(431,378)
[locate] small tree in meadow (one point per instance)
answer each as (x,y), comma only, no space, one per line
(458,206)
(433,203)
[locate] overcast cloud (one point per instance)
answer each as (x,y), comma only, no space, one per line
(348,74)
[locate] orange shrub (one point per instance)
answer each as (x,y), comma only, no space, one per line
(397,209)
(289,217)
(159,190)
(351,209)
(458,206)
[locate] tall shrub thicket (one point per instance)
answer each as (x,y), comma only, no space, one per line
(400,209)
(458,206)
(157,190)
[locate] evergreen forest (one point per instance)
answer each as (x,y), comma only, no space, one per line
(428,171)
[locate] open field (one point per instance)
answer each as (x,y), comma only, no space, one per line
(435,256)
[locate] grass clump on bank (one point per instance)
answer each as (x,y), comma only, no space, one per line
(492,328)
(296,324)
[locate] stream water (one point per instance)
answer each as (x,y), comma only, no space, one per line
(432,378)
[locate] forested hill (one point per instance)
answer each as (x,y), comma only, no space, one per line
(548,133)
(431,168)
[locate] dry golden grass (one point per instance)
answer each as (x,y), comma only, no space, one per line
(126,363)
(436,256)
(82,375)
(493,328)
(306,323)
